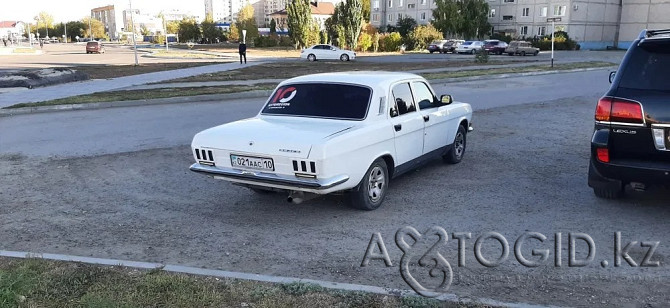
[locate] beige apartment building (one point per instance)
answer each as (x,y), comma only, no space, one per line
(594,24)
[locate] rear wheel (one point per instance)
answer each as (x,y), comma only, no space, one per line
(370,192)
(536,52)
(510,53)
(455,154)
(344,57)
(311,57)
(523,53)
(431,51)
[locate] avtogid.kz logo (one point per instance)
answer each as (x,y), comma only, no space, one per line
(422,252)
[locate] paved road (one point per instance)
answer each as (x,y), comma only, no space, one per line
(95,132)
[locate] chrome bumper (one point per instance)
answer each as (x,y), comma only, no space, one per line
(269,178)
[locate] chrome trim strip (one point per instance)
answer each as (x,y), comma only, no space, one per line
(269,178)
(660,125)
(620,123)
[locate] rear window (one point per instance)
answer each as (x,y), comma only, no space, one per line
(91,44)
(466,43)
(648,67)
(322,100)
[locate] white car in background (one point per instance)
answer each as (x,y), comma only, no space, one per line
(326,52)
(336,132)
(469,47)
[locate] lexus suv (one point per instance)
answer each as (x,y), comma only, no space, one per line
(631,140)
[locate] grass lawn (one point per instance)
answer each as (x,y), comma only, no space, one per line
(146,94)
(172,53)
(42,283)
(113,71)
(512,70)
(284,70)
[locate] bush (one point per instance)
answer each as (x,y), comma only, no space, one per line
(501,37)
(286,41)
(421,36)
(266,41)
(482,56)
(375,42)
(561,42)
(364,41)
(391,42)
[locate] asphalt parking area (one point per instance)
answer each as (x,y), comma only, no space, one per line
(524,170)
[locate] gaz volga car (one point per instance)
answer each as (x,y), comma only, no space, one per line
(336,132)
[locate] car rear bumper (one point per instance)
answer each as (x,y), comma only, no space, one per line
(268,179)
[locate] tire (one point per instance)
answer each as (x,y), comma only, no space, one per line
(431,52)
(311,57)
(370,192)
(344,57)
(610,193)
(457,151)
(510,53)
(523,53)
(472,52)
(536,52)
(500,53)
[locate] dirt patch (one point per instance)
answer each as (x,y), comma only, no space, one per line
(113,71)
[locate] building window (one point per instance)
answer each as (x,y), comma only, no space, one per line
(375,17)
(508,17)
(523,30)
(525,11)
(399,3)
(541,31)
(508,1)
(390,17)
(492,13)
(376,6)
(390,3)
(423,2)
(559,10)
(543,12)
(411,6)
(423,16)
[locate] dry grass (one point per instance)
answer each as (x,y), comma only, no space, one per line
(113,71)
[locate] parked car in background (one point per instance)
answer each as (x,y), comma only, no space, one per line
(95,47)
(337,132)
(326,52)
(495,46)
(436,46)
(470,47)
(450,45)
(631,138)
(521,48)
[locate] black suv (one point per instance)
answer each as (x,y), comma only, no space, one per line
(631,142)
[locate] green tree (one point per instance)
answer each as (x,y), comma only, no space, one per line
(210,31)
(246,21)
(364,41)
(366,10)
(392,41)
(405,25)
(375,42)
(189,30)
(233,33)
(74,29)
(45,21)
(96,25)
(144,31)
(172,27)
(353,18)
(422,36)
(299,21)
(475,18)
(273,26)
(446,17)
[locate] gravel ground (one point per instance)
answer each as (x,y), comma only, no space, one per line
(524,170)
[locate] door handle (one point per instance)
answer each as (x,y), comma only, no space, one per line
(426,118)
(397,127)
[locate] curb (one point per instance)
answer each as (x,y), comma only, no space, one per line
(143,102)
(247,94)
(256,277)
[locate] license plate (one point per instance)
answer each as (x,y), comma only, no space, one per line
(250,162)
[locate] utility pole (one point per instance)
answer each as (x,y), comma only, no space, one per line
(65,31)
(166,35)
(90,30)
(553,32)
(132,27)
(30,36)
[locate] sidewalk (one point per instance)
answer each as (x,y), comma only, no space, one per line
(100,85)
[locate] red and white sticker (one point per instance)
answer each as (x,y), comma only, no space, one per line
(283,97)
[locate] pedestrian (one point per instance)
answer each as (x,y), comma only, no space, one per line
(243,52)
(4,41)
(41,44)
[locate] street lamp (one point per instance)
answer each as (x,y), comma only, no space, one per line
(132,22)
(553,32)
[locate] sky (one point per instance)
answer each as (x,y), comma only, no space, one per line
(68,10)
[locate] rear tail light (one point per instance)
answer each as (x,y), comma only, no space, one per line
(603,155)
(610,109)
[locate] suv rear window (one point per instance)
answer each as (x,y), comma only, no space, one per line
(647,67)
(322,100)
(91,44)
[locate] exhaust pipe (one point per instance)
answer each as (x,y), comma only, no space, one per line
(638,186)
(297,197)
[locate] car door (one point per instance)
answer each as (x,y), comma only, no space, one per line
(436,118)
(407,124)
(333,53)
(317,50)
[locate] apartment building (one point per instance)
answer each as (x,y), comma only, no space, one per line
(387,12)
(594,24)
(226,11)
(111,18)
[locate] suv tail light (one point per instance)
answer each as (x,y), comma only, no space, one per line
(603,155)
(610,109)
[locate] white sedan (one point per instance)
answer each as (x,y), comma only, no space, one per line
(326,52)
(333,132)
(469,47)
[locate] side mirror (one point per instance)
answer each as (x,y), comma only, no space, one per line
(446,99)
(394,112)
(612,74)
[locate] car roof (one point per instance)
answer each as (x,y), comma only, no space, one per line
(368,78)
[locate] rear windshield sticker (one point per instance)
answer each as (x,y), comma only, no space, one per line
(282,98)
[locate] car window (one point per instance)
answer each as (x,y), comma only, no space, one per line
(323,100)
(423,96)
(402,95)
(647,67)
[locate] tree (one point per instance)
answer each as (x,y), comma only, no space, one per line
(144,30)
(352,22)
(446,17)
(422,36)
(246,21)
(273,26)
(364,41)
(98,28)
(366,10)
(405,25)
(172,27)
(189,30)
(210,31)
(45,20)
(299,21)
(467,18)
(74,29)
(233,33)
